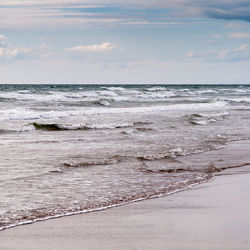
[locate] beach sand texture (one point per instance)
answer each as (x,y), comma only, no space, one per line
(213,215)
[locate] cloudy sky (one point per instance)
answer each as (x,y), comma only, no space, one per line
(132,41)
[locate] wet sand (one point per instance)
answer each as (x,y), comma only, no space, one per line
(215,215)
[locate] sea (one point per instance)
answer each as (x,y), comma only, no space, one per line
(70,149)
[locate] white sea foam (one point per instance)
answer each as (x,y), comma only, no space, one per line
(156,89)
(215,115)
(208,91)
(159,108)
(114,88)
(25,91)
(97,126)
(241,100)
(27,114)
(117,94)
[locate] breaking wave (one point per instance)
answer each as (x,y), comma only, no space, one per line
(204,119)
(58,127)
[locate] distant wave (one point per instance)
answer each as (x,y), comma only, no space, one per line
(115,93)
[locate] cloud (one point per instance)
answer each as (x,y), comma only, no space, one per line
(53,13)
(7,53)
(237,25)
(190,54)
(106,46)
(240,35)
(10,52)
(238,54)
(229,10)
(216,36)
(2,37)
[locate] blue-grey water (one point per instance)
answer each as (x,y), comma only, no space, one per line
(70,148)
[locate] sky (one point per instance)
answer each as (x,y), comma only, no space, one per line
(132,41)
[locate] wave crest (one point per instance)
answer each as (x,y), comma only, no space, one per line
(58,127)
(93,162)
(204,119)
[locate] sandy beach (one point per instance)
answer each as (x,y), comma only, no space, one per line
(213,215)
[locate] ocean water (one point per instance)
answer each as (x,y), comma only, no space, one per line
(68,149)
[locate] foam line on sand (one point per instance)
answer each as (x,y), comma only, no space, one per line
(214,215)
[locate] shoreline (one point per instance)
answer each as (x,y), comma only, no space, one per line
(213,215)
(99,209)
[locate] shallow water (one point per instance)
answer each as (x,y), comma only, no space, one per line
(71,148)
